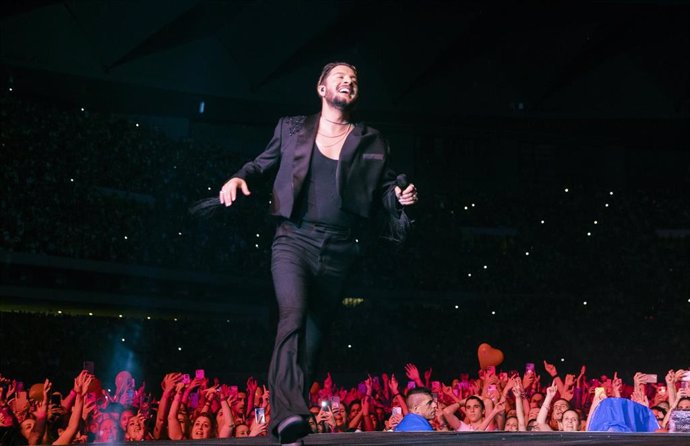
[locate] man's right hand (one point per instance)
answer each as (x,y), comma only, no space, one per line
(228,193)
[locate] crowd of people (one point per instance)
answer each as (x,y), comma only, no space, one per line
(88,185)
(195,406)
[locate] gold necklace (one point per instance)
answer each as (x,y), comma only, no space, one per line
(335,122)
(347,129)
(337,141)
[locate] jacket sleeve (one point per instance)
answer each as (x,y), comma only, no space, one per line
(266,160)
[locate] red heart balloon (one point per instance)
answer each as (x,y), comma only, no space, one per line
(489,356)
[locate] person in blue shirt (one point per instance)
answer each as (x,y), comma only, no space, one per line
(422,408)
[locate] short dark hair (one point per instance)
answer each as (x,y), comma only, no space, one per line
(417,391)
(479,400)
(329,67)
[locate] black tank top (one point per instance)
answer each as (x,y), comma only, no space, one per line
(319,201)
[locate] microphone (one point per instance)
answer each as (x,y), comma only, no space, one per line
(402,182)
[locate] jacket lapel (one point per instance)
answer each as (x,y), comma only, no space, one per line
(347,154)
(304,145)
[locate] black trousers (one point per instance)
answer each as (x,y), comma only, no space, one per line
(310,264)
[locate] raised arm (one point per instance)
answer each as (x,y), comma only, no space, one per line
(544,410)
(486,422)
(413,373)
(555,378)
(168,385)
(451,419)
(174,429)
(395,394)
(519,404)
(36,435)
(82,383)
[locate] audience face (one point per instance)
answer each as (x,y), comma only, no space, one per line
(201,429)
(536,400)
(658,414)
(570,421)
(183,419)
(511,424)
(684,404)
(241,430)
(124,418)
(559,407)
(26,426)
(135,429)
(426,407)
(474,410)
(355,409)
(107,431)
(312,423)
(241,403)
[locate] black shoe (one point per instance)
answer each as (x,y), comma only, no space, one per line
(292,429)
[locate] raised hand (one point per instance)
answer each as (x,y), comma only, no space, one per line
(670,378)
(427,375)
(169,381)
(393,385)
(550,369)
(394,420)
(551,390)
(412,372)
(369,385)
(528,380)
(85,384)
(258,429)
(328,383)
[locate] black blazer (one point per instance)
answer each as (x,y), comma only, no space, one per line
(363,176)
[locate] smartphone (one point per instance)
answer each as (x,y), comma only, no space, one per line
(685,377)
(362,388)
(260,415)
(19,387)
(650,378)
(88,366)
(200,374)
(186,379)
(411,384)
(599,391)
(529,367)
(325,406)
(335,403)
(396,410)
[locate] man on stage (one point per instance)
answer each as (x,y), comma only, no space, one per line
(332,175)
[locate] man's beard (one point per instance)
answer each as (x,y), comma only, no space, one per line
(341,104)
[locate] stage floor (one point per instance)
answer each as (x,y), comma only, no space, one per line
(472,438)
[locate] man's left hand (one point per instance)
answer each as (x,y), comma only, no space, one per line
(408,196)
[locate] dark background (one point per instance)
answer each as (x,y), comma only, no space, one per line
(493,109)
